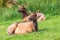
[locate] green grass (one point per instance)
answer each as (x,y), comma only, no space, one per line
(48,30)
(48,7)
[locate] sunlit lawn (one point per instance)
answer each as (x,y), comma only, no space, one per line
(48,30)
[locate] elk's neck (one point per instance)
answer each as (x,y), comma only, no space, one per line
(35,25)
(25,14)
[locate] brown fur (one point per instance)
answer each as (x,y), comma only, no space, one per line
(24,27)
(22,9)
(11,28)
(40,16)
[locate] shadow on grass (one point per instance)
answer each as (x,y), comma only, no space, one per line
(43,30)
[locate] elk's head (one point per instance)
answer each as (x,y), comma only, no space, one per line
(22,9)
(33,16)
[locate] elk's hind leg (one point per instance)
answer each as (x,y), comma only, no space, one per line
(11,28)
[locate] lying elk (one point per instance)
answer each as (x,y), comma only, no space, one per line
(22,9)
(40,16)
(24,27)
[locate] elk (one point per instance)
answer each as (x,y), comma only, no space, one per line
(40,16)
(24,27)
(10,3)
(22,9)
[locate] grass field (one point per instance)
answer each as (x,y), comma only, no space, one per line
(48,30)
(48,7)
